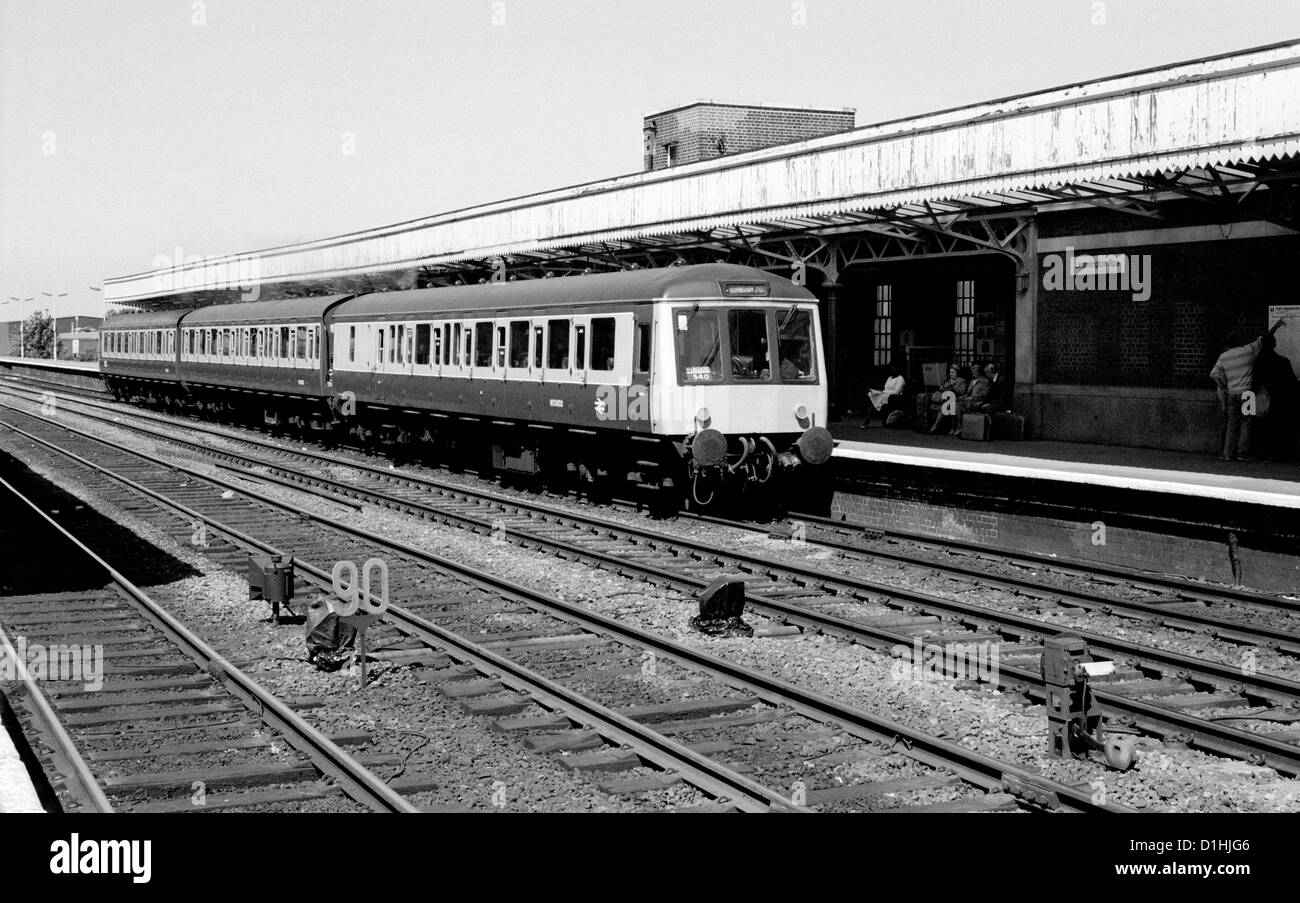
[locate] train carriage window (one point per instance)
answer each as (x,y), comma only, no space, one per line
(539,346)
(557,345)
(446,343)
(455,344)
(422,344)
(300,345)
(602,343)
(379,346)
(403,345)
(643,348)
(438,345)
(352,343)
(465,344)
(747,330)
(795,348)
(519,343)
(482,344)
(580,347)
(699,346)
(203,341)
(501,347)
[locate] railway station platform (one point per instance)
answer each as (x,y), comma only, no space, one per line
(17,793)
(1149,509)
(39,363)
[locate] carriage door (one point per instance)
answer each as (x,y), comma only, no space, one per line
(642,357)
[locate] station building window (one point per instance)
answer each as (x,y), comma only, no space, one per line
(963,323)
(883,330)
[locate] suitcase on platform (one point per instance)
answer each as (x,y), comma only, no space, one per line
(1008,426)
(976,426)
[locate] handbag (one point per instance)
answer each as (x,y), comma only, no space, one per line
(1263,401)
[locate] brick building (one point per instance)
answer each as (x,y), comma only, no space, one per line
(704,130)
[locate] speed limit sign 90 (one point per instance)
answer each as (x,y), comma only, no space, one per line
(355,595)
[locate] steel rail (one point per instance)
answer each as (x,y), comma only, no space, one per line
(357,781)
(713,778)
(973,767)
(1205,734)
(1223,628)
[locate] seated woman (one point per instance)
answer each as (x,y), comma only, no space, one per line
(977,393)
(888,397)
(956,384)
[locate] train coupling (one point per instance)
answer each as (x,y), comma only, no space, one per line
(1074,723)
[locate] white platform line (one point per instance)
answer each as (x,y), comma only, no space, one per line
(1275,493)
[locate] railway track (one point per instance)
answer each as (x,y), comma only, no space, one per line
(755,723)
(1176,697)
(127,709)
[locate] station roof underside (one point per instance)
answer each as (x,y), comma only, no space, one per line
(1211,129)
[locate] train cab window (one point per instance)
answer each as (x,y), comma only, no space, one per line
(795,346)
(422,344)
(699,346)
(539,346)
(519,343)
(455,344)
(482,344)
(352,343)
(580,347)
(557,345)
(602,343)
(747,330)
(643,348)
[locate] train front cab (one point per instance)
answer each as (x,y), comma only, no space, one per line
(739,387)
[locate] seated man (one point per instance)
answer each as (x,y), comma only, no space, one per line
(999,399)
(887,398)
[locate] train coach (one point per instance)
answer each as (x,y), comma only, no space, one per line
(694,376)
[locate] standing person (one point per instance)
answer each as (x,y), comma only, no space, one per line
(1233,375)
(1276,395)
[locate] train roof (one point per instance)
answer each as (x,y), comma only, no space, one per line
(685,282)
(154,319)
(285,310)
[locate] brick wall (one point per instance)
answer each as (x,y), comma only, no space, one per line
(704,131)
(1202,294)
(1196,557)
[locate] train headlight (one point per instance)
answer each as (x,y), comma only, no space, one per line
(703,416)
(801,412)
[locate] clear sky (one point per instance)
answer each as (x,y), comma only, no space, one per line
(131,128)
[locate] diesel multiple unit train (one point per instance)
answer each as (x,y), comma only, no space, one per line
(693,378)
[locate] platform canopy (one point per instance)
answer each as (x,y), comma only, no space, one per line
(958,181)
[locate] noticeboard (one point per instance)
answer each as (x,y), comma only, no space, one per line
(1288,337)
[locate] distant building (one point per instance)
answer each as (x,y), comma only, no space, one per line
(69,329)
(705,130)
(78,342)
